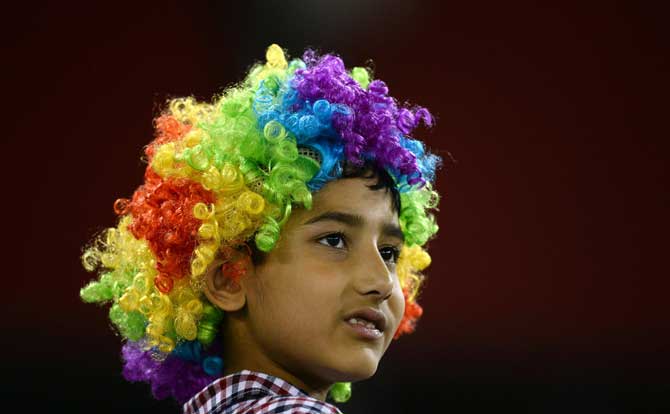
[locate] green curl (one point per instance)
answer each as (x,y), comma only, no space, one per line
(130,324)
(267,235)
(110,287)
(417,224)
(96,292)
(361,76)
(274,132)
(196,158)
(286,183)
(284,151)
(340,392)
(236,102)
(209,324)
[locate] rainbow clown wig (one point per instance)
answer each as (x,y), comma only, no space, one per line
(227,173)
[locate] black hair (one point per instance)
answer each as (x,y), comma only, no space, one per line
(384,180)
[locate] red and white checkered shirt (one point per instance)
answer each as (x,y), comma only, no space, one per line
(251,392)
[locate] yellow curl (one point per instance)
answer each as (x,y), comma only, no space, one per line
(165,162)
(159,310)
(251,203)
(233,180)
(206,251)
(211,179)
(194,307)
(145,305)
(130,301)
(189,310)
(275,57)
(124,257)
(275,65)
(185,326)
(109,260)
(142,283)
(193,137)
(198,267)
(90,259)
(165,344)
(412,260)
(189,111)
(202,212)
(208,230)
(235,216)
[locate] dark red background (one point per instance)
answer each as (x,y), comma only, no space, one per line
(548,289)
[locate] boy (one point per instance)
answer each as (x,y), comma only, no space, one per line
(274,249)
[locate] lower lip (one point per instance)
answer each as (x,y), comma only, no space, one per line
(365,332)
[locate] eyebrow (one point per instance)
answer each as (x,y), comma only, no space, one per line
(355,220)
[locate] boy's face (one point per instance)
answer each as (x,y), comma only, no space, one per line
(333,262)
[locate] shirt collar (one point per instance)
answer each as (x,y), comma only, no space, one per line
(245,381)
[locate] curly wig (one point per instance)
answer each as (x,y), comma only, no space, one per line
(224,173)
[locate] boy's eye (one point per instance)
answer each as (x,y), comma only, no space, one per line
(389,254)
(333,240)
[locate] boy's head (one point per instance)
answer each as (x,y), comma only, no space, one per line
(278,229)
(309,304)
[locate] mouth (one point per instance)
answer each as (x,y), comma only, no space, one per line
(368,323)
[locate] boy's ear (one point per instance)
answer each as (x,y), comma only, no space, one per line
(223,290)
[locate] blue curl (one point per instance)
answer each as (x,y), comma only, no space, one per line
(213,366)
(304,120)
(426,162)
(322,110)
(189,351)
(331,153)
(315,124)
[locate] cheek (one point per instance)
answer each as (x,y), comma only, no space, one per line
(273,314)
(304,291)
(397,305)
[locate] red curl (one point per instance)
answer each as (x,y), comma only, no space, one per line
(168,129)
(236,262)
(121,206)
(413,312)
(163,283)
(162,213)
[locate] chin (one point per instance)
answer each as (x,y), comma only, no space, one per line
(357,366)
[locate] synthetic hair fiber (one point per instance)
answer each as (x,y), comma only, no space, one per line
(226,173)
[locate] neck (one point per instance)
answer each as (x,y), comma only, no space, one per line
(240,352)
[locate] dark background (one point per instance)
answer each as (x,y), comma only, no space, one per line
(548,290)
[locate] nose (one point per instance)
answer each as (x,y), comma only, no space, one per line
(373,277)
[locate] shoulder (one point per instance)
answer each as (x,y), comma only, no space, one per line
(299,405)
(250,392)
(275,405)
